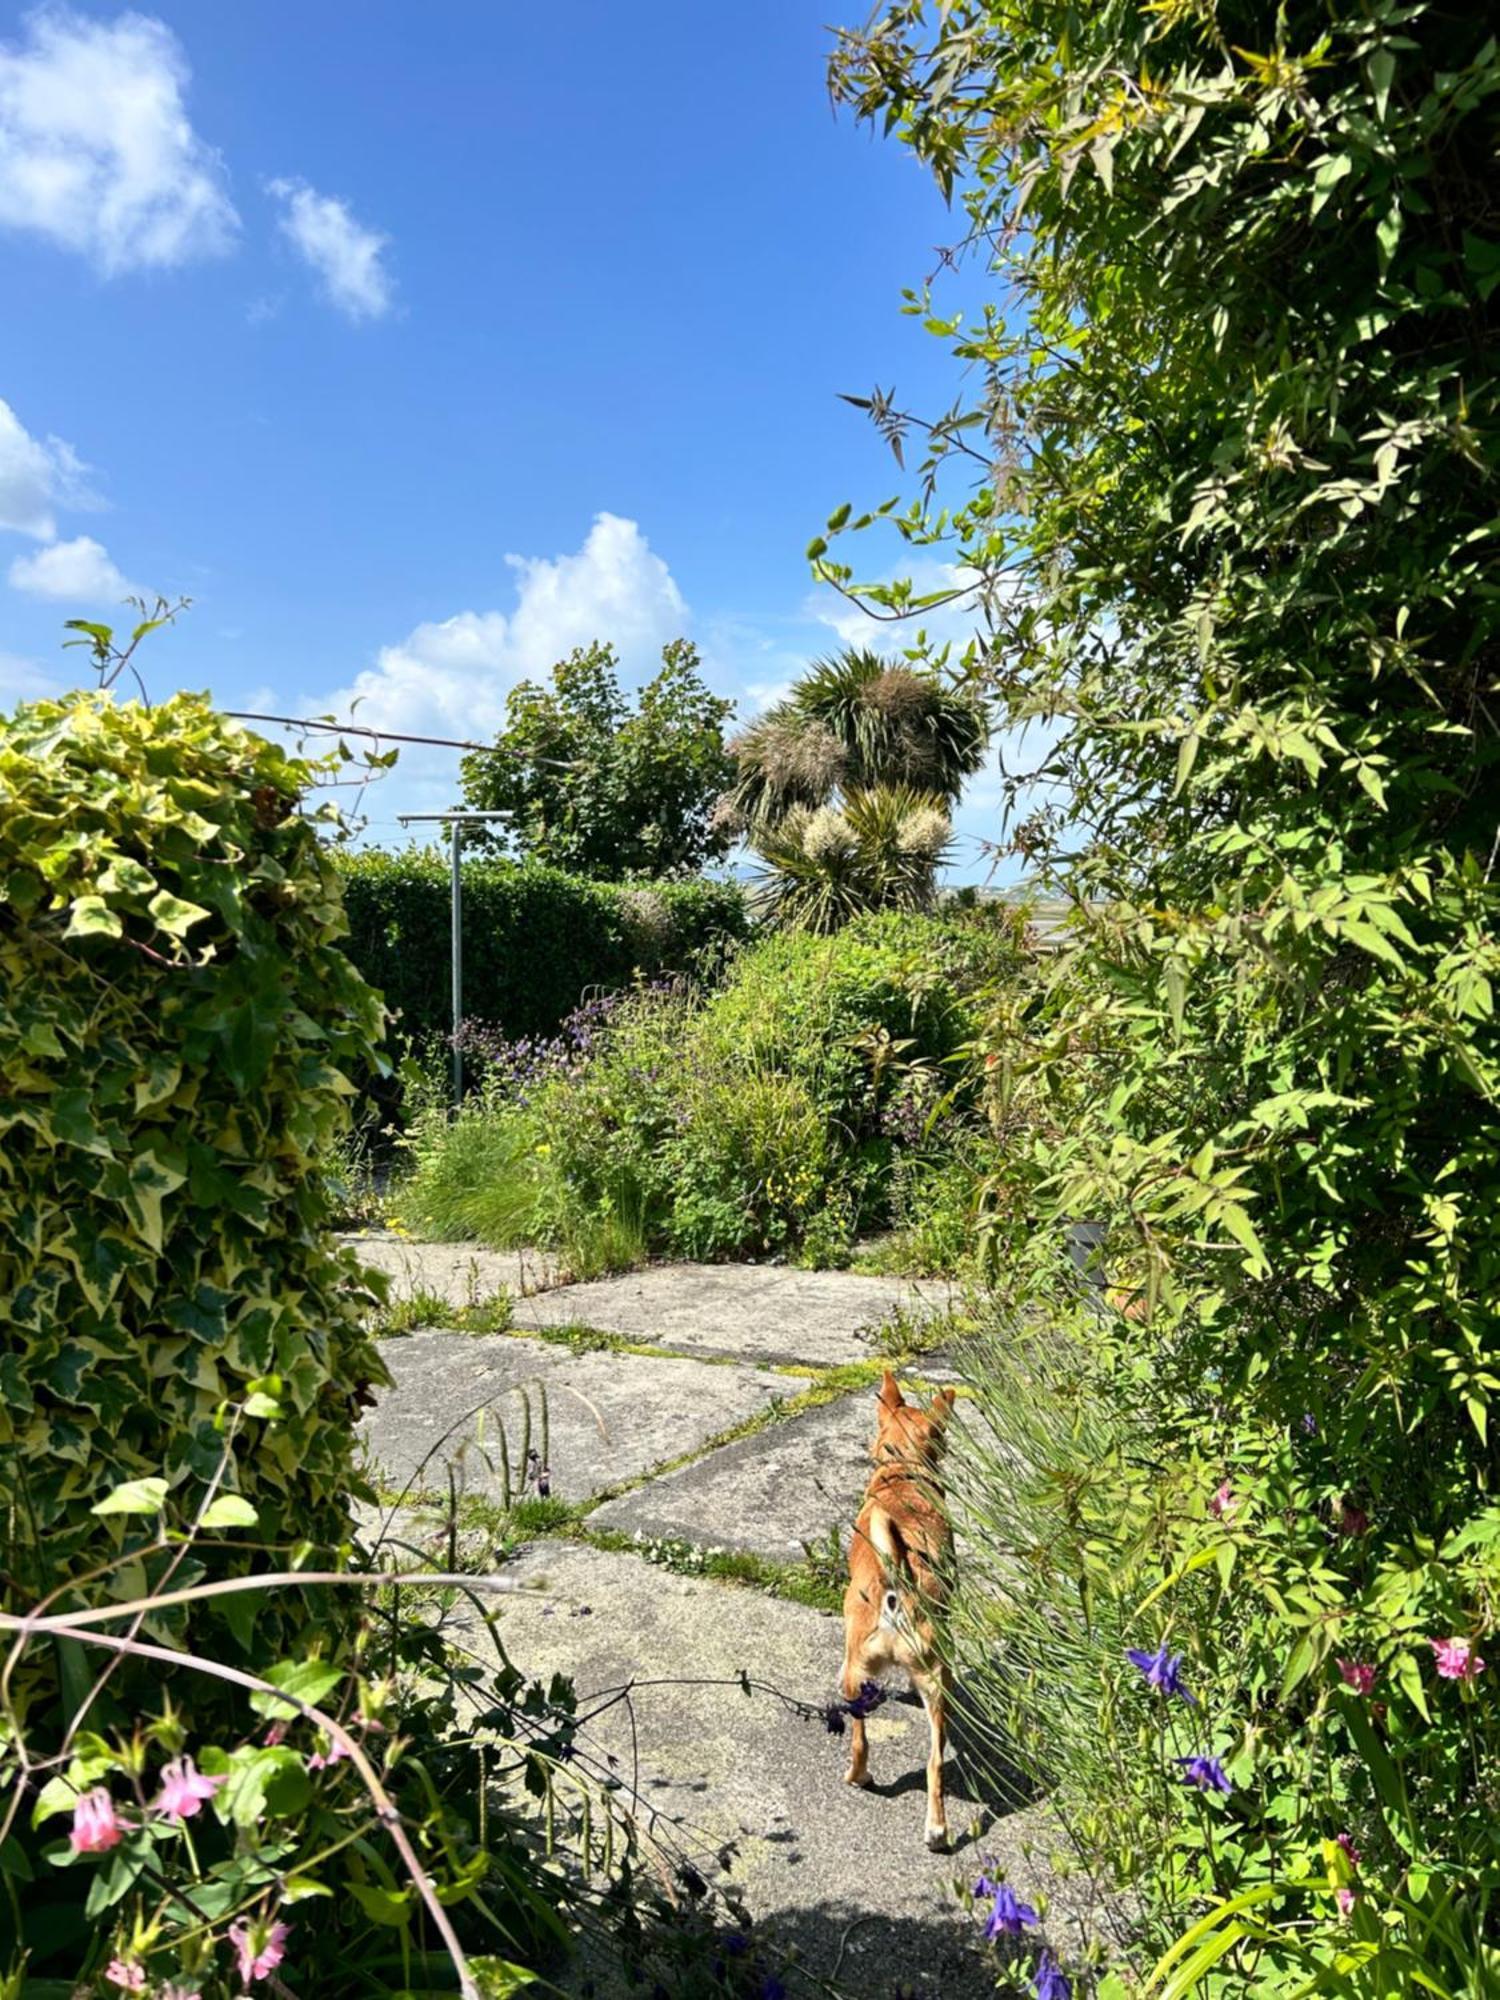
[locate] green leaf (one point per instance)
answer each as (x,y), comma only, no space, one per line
(309,1680)
(134,1496)
(383,1906)
(1382,67)
(174,915)
(91,916)
(229,1511)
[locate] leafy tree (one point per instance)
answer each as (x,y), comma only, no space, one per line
(603,790)
(844,788)
(1237,409)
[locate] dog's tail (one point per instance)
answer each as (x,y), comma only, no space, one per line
(911,1574)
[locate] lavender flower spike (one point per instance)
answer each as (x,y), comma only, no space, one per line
(1162,1670)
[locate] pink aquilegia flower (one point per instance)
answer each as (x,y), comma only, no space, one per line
(184,1789)
(260,1946)
(1358,1675)
(1224,1506)
(323,1760)
(1346,1899)
(178,1989)
(95,1826)
(126,1973)
(1456,1659)
(1346,1842)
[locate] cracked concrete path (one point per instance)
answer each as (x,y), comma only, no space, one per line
(840,1878)
(760,1312)
(610,1418)
(460,1274)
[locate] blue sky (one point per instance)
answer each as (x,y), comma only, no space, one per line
(416,346)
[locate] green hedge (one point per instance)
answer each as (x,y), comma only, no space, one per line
(535,939)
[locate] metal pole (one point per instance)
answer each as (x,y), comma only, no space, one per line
(458,965)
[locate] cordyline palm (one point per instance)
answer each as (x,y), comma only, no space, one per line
(852,723)
(844,789)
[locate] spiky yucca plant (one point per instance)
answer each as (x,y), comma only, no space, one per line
(878,851)
(844,789)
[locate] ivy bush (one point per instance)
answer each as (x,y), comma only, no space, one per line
(536,939)
(1238,431)
(180,1036)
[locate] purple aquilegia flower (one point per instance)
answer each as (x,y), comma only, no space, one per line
(1009,1916)
(985,1887)
(1161,1669)
(1207,1773)
(1050,1982)
(1309,1423)
(871,1695)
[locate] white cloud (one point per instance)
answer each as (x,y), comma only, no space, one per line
(24,680)
(96,149)
(450,678)
(76,572)
(35,474)
(345,255)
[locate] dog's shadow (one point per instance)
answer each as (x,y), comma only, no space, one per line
(978,1773)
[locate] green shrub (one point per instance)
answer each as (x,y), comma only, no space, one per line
(181,1033)
(536,940)
(752,1118)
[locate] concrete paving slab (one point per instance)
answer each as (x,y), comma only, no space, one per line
(610,1417)
(840,1877)
(462,1274)
(758,1312)
(769,1493)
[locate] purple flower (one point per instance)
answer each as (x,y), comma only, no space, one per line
(1161,1669)
(871,1695)
(1050,1982)
(985,1887)
(1309,1423)
(1207,1773)
(771,1988)
(1010,1916)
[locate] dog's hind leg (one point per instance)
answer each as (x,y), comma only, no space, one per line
(932,1686)
(853,1679)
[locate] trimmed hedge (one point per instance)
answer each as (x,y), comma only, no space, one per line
(535,938)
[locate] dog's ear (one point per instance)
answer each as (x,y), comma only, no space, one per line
(890,1392)
(942,1405)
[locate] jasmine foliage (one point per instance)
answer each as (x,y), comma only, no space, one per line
(1232,442)
(767,1115)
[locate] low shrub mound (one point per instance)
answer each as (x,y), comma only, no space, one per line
(810,1099)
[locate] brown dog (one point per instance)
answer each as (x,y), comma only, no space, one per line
(900,1560)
